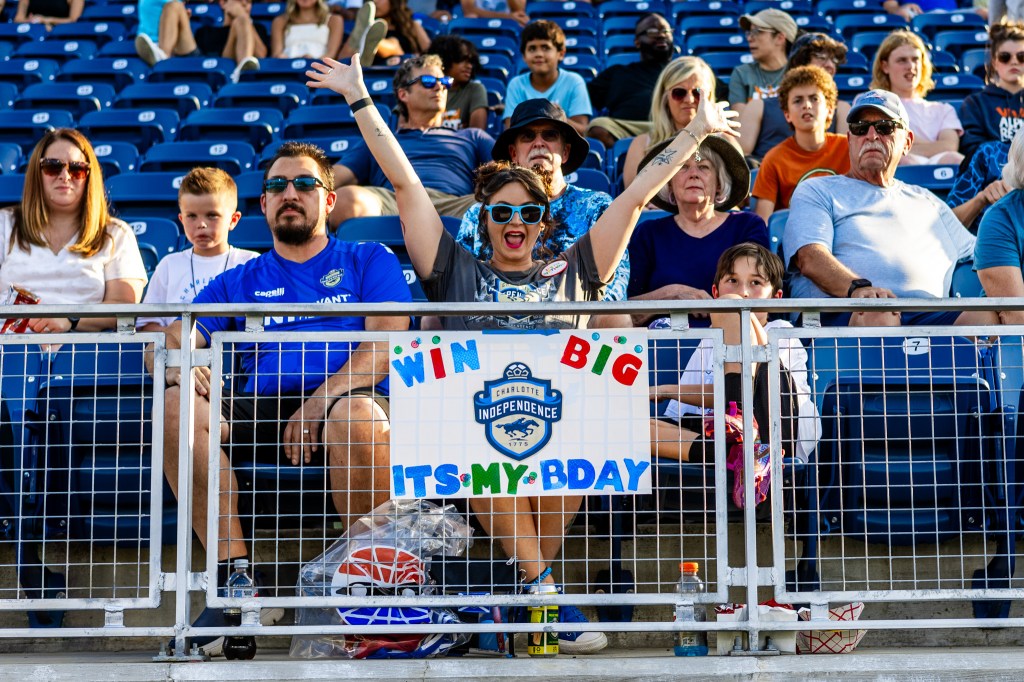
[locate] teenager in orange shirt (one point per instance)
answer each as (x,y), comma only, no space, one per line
(808,98)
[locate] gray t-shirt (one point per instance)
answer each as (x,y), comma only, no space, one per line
(902,237)
(459,277)
(750,81)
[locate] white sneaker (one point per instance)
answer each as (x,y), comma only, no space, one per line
(575,643)
(247,64)
(149,51)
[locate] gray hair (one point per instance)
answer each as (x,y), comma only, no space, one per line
(722,177)
(1013,171)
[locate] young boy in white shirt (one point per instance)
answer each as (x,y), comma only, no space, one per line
(746,270)
(208,201)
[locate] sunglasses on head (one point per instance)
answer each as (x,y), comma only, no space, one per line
(1005,57)
(77,170)
(884,126)
(530,214)
(679,94)
(303,183)
(547,134)
(429,81)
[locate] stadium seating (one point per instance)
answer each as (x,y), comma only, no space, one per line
(116,157)
(850,25)
(119,72)
(253,233)
(693,8)
(388,231)
(703,25)
(11,186)
(56,50)
(154,195)
(974,60)
(99,32)
(955,86)
(545,9)
(8,93)
(214,71)
(582,64)
(930,23)
(472,29)
(160,233)
(21,33)
(10,157)
(25,128)
(75,99)
(777,229)
(258,127)
(322,121)
(699,44)
(25,72)
(957,42)
(581,26)
(230,156)
(184,98)
(141,127)
(120,14)
(832,9)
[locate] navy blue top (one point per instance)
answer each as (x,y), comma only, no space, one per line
(344,272)
(443,159)
(660,253)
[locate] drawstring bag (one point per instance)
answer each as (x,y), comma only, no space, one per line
(734,438)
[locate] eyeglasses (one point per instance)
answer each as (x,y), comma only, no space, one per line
(679,94)
(547,134)
(826,57)
(303,183)
(429,81)
(77,170)
(1005,57)
(883,127)
(755,31)
(502,214)
(654,32)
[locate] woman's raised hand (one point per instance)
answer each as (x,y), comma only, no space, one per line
(715,117)
(344,79)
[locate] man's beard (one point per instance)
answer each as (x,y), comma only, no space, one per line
(295,232)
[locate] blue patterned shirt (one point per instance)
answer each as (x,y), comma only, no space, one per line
(575,212)
(986,167)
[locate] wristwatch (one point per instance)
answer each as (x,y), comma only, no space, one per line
(857,284)
(74,323)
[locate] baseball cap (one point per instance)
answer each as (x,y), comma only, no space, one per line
(772,19)
(887,102)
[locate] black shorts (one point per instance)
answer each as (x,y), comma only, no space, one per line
(211,40)
(256,424)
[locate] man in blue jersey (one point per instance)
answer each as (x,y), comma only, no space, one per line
(324,402)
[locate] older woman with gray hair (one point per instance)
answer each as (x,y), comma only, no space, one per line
(674,257)
(999,251)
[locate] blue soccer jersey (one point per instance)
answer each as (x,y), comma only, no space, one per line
(344,272)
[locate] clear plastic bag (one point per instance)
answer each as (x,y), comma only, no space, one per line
(384,553)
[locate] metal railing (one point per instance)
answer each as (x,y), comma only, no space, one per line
(911,495)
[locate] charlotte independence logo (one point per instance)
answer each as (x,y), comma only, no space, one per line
(332,278)
(517,411)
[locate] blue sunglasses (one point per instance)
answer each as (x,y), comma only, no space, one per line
(429,82)
(529,214)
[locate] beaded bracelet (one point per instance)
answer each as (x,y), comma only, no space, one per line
(360,104)
(543,574)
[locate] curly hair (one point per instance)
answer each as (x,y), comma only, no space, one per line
(809,75)
(454,49)
(492,176)
(809,44)
(997,35)
(895,40)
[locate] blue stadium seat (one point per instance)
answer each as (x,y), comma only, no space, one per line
(498,45)
(25,72)
(386,230)
(99,32)
(21,33)
(944,62)
(716,42)
(323,121)
(722,63)
(622,58)
(8,93)
(974,61)
(930,23)
(617,157)
(955,86)
(381,89)
(584,65)
(495,66)
(267,10)
(937,179)
(702,25)
(581,26)
(117,71)
(278,71)
(777,228)
(25,128)
(57,50)
(851,85)
(253,233)
(184,98)
(6,49)
(795,8)
(957,42)
(581,45)
(850,25)
(615,26)
(815,23)
(833,9)
(866,42)
(855,63)
(141,127)
(334,147)
(11,187)
(619,43)
(230,156)
(630,9)
(255,126)
(153,195)
(470,28)
(116,157)
(214,71)
(250,187)
(121,14)
(207,14)
(693,8)
(10,157)
(160,233)
(76,99)
(589,178)
(119,49)
(546,9)
(282,96)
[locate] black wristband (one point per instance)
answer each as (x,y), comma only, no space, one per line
(360,104)
(74,323)
(857,284)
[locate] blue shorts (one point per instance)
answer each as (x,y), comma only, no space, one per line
(927,318)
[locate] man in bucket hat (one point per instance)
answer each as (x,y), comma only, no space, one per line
(868,235)
(540,137)
(770,34)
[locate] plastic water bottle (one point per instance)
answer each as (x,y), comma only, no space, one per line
(240,586)
(690,642)
(542,643)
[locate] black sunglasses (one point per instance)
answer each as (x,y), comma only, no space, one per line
(547,134)
(77,170)
(883,126)
(303,183)
(1005,57)
(530,214)
(679,94)
(429,82)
